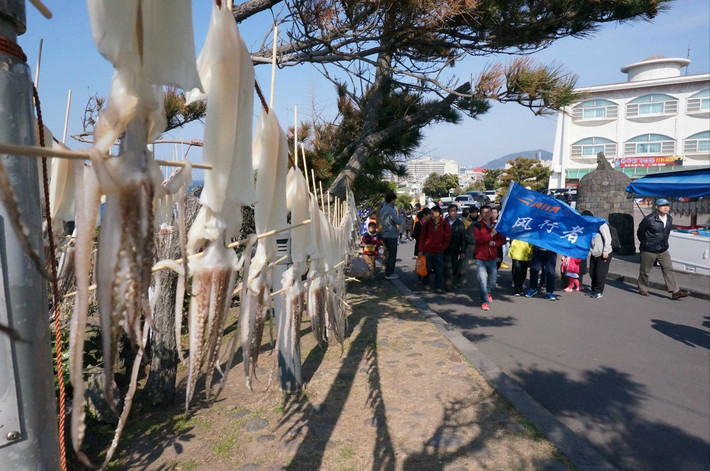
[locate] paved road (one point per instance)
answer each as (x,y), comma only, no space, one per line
(630,374)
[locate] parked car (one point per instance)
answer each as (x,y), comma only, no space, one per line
(479,196)
(492,195)
(466,201)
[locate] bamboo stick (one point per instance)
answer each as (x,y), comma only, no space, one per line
(295,132)
(193,142)
(322,200)
(159,267)
(305,166)
(273,68)
(42,8)
(39,62)
(334,267)
(66,118)
(36,151)
(313,180)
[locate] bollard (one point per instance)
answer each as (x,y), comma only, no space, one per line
(28,411)
(289,364)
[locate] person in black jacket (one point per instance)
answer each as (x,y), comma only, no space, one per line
(454,253)
(653,232)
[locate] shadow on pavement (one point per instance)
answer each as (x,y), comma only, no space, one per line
(685,334)
(616,411)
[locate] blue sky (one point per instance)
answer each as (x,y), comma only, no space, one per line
(70,61)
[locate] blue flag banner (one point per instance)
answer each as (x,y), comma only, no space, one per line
(546,222)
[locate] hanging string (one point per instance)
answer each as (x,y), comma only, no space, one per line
(55,288)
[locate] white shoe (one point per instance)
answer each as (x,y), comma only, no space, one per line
(391,277)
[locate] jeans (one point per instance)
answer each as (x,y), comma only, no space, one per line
(435,264)
(390,255)
(543,261)
(487,272)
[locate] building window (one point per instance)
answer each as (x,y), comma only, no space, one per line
(591,146)
(650,105)
(650,144)
(698,143)
(595,109)
(700,102)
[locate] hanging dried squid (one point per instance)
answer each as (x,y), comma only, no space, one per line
(227,75)
(125,34)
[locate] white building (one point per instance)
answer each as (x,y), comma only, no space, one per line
(658,120)
(420,169)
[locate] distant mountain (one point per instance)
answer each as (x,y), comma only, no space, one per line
(528,154)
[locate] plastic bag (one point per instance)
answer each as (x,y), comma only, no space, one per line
(420,266)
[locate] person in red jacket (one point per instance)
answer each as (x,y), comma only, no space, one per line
(433,240)
(485,254)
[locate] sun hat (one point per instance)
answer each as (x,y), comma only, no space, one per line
(662,202)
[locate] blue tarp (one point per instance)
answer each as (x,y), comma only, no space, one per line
(686,183)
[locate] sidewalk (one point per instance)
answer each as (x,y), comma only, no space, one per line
(625,268)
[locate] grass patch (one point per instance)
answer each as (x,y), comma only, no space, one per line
(225,446)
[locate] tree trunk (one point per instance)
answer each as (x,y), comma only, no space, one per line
(160,386)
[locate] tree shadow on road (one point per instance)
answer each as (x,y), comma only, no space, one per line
(608,403)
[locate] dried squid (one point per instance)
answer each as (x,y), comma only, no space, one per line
(131,182)
(227,75)
(270,159)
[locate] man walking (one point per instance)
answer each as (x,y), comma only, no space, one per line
(653,234)
(455,251)
(435,237)
(486,252)
(390,233)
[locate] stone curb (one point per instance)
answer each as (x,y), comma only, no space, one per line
(576,449)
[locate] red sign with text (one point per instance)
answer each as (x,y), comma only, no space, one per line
(674,161)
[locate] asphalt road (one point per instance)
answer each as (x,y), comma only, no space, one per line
(630,374)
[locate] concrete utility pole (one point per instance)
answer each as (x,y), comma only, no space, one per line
(28,412)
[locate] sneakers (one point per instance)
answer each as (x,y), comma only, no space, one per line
(551,297)
(517,294)
(503,265)
(490,298)
(568,290)
(596,295)
(485,307)
(531,292)
(391,277)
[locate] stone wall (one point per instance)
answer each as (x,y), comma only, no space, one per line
(603,192)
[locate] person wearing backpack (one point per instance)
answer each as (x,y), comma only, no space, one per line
(600,253)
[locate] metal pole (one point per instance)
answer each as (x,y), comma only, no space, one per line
(289,364)
(28,412)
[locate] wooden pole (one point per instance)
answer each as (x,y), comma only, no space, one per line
(313,180)
(35,151)
(66,118)
(273,68)
(39,63)
(305,166)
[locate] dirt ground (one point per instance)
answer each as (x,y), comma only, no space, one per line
(398,398)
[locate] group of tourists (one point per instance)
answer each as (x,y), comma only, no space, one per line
(455,247)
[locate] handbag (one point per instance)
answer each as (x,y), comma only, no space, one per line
(420,266)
